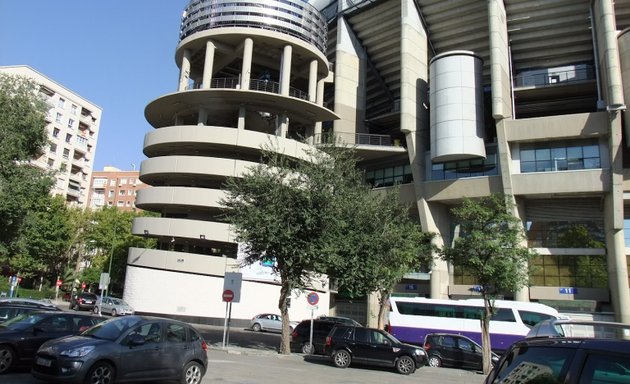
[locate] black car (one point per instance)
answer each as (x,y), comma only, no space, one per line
(130,348)
(34,303)
(83,301)
(346,344)
(21,336)
(452,350)
(568,352)
(300,337)
(7,312)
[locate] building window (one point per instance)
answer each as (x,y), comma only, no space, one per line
(560,157)
(51,162)
(55,132)
(53,148)
(129,203)
(58,118)
(109,203)
(587,271)
(467,168)
(111,193)
(68,137)
(66,153)
(70,123)
(61,103)
(130,192)
(385,177)
(121,192)
(112,182)
(123,181)
(120,203)
(74,109)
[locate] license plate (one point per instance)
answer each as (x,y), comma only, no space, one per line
(43,362)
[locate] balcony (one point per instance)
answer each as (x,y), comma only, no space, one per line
(81,144)
(255,85)
(358,139)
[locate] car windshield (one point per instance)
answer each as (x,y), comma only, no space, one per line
(119,302)
(23,321)
(111,329)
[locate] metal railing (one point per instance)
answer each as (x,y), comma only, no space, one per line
(356,139)
(553,76)
(255,85)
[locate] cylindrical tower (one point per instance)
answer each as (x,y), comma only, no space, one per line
(456,114)
(248,76)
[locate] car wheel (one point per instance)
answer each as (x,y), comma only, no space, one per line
(342,358)
(114,314)
(256,327)
(308,349)
(435,361)
(192,374)
(101,373)
(405,365)
(6,358)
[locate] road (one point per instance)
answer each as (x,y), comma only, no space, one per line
(251,358)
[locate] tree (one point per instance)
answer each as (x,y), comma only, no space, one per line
(384,244)
(22,137)
(314,217)
(489,248)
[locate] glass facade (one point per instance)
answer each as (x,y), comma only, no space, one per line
(565,234)
(550,157)
(386,177)
(467,168)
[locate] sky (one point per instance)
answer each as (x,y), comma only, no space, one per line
(118,54)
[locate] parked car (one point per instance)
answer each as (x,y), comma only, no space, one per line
(452,350)
(129,348)
(269,322)
(342,320)
(300,337)
(113,306)
(83,301)
(43,304)
(21,336)
(568,352)
(347,344)
(9,311)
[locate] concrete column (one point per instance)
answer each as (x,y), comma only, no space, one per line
(609,52)
(202,117)
(246,71)
(285,70)
(616,258)
(282,125)
(312,82)
(184,72)
(499,60)
(241,117)
(207,65)
(317,130)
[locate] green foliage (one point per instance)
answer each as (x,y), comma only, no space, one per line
(317,217)
(490,249)
(578,236)
(23,188)
(490,246)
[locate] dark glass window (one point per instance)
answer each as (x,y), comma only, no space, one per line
(547,157)
(529,365)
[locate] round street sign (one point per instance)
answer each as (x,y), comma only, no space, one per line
(228,295)
(312,298)
(59,283)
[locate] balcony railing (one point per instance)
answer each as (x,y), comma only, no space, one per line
(357,139)
(554,76)
(256,85)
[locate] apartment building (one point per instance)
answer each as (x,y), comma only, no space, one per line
(113,187)
(447,99)
(73,125)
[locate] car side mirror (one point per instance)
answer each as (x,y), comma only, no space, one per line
(136,340)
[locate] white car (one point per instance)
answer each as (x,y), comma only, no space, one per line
(113,306)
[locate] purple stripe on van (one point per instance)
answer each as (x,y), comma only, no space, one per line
(499,342)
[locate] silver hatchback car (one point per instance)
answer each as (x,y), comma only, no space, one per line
(113,306)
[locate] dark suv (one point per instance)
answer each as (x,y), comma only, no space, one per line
(452,350)
(83,300)
(300,337)
(569,352)
(346,344)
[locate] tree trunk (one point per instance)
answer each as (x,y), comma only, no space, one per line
(285,340)
(486,347)
(382,308)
